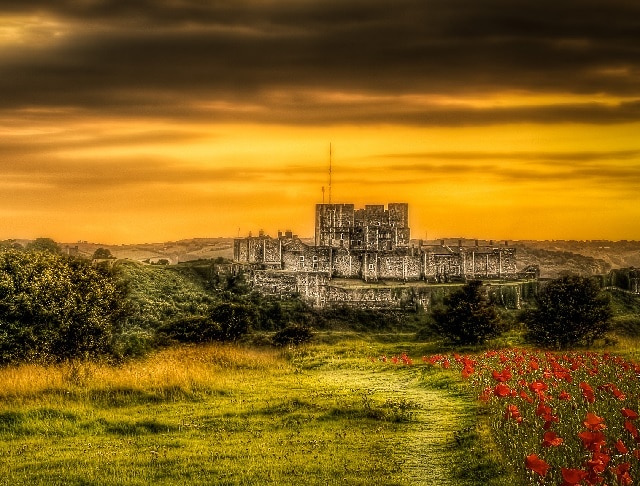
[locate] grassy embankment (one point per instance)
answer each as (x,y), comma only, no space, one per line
(324,414)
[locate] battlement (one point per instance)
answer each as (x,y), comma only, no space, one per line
(371,228)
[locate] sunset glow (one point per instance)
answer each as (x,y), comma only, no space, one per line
(122,122)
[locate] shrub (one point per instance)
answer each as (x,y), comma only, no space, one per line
(294,334)
(54,308)
(224,322)
(569,311)
(467,316)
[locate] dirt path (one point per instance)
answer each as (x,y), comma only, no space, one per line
(430,434)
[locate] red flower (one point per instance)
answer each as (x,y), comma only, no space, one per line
(502,390)
(536,464)
(622,473)
(622,449)
(628,424)
(513,412)
(628,413)
(592,440)
(587,392)
(564,396)
(593,422)
(504,375)
(551,439)
(573,476)
(538,386)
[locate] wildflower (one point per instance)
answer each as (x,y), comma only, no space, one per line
(513,412)
(629,413)
(593,441)
(587,392)
(550,439)
(593,422)
(622,473)
(564,396)
(620,447)
(504,375)
(502,390)
(536,464)
(631,428)
(572,476)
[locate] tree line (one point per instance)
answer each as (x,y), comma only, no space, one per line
(54,307)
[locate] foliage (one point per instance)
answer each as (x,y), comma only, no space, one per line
(43,244)
(224,322)
(467,316)
(54,308)
(293,334)
(102,253)
(569,311)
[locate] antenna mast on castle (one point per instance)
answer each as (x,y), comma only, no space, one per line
(329,172)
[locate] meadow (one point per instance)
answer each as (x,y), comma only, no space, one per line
(325,413)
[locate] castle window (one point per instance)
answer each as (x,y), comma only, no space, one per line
(372,267)
(315,258)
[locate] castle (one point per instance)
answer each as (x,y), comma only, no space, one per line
(373,244)
(370,245)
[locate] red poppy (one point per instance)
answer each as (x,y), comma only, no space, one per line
(536,464)
(573,476)
(593,422)
(622,473)
(513,412)
(622,449)
(502,390)
(598,462)
(504,375)
(587,392)
(633,430)
(564,396)
(550,439)
(538,386)
(592,440)
(629,413)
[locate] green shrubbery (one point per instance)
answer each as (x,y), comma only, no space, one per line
(54,308)
(569,311)
(467,316)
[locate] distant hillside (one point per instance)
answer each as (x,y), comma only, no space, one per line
(617,254)
(554,257)
(173,251)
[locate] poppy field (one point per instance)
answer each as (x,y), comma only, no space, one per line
(556,418)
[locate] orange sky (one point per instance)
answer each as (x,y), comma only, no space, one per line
(124,123)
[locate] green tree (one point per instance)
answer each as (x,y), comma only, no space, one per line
(53,307)
(102,254)
(569,311)
(43,244)
(467,316)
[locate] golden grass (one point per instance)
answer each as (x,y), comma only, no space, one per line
(185,368)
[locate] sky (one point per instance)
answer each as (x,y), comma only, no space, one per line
(132,121)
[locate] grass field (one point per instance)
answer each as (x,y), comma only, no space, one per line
(323,414)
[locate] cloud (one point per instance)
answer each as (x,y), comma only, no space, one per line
(264,60)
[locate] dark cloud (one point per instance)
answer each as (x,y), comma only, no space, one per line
(174,58)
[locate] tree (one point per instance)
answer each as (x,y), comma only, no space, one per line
(102,254)
(53,307)
(569,311)
(467,316)
(43,244)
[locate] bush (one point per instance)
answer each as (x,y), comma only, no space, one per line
(224,322)
(54,308)
(569,311)
(467,316)
(293,334)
